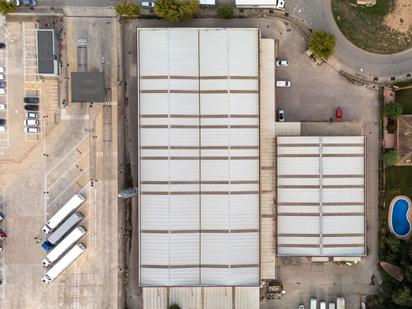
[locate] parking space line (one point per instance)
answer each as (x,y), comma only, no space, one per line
(81,174)
(67,170)
(62,159)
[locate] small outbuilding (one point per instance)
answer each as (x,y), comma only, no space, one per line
(87,87)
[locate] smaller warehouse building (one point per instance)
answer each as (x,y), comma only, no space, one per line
(46,59)
(321,196)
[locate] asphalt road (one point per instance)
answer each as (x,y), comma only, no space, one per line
(318,15)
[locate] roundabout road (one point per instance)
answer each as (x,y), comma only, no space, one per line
(318,15)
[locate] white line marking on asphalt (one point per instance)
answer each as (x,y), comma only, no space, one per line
(67,170)
(61,160)
(48,206)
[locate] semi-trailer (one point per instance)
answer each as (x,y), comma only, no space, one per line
(63,246)
(67,260)
(62,230)
(64,212)
(340,303)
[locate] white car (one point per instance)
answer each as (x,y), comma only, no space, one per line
(2,128)
(31,129)
(282,63)
(2,106)
(32,115)
(283,83)
(148,4)
(280,4)
(2,91)
(1,69)
(1,76)
(31,122)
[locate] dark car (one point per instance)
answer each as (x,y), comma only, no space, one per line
(2,84)
(2,45)
(31,100)
(31,107)
(2,122)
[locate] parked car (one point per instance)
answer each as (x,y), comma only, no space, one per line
(31,122)
(31,100)
(2,91)
(31,129)
(2,122)
(301,306)
(282,83)
(1,69)
(1,217)
(1,76)
(2,106)
(2,128)
(281,115)
(148,4)
(17,2)
(2,84)
(282,63)
(32,115)
(31,107)
(30,2)
(280,4)
(338,114)
(2,45)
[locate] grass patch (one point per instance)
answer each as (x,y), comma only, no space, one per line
(364,27)
(398,180)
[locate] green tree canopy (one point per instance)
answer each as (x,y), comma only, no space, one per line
(126,8)
(7,7)
(174,306)
(322,44)
(392,110)
(225,11)
(403,297)
(177,10)
(391,157)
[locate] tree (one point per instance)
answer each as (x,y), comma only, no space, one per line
(225,11)
(127,9)
(177,10)
(174,306)
(322,44)
(391,157)
(392,110)
(403,297)
(7,7)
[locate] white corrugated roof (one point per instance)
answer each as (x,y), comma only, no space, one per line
(199,156)
(321,195)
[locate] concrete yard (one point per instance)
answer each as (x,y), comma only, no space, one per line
(76,151)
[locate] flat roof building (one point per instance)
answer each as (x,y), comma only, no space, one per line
(321,196)
(87,87)
(198,94)
(46,62)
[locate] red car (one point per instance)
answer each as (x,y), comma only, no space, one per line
(338,114)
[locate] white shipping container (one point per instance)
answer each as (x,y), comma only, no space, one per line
(65,244)
(66,210)
(64,263)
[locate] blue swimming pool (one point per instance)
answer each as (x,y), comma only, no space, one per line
(400,222)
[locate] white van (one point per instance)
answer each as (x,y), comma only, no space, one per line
(2,128)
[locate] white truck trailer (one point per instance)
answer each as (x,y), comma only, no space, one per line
(63,263)
(340,303)
(64,245)
(62,230)
(64,212)
(313,303)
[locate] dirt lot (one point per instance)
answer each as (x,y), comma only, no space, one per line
(400,18)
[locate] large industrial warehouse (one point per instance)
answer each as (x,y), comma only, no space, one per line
(321,196)
(198,93)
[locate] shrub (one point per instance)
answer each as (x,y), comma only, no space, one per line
(392,110)
(225,11)
(403,297)
(174,306)
(127,9)
(391,157)
(322,44)
(7,7)
(391,127)
(177,10)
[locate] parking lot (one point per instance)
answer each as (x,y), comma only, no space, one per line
(75,151)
